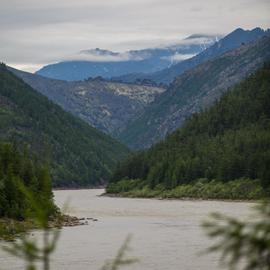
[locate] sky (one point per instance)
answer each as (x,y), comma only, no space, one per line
(38,32)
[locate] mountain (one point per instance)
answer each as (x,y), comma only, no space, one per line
(80,154)
(107,106)
(228,142)
(193,91)
(107,64)
(232,41)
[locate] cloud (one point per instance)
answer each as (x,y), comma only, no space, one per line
(98,55)
(198,39)
(178,57)
(38,32)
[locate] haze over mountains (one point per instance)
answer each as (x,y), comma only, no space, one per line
(137,114)
(99,62)
(159,65)
(232,41)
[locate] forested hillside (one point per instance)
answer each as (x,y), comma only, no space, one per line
(105,105)
(228,142)
(18,169)
(194,91)
(79,154)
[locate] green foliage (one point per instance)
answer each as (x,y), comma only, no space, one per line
(17,170)
(240,189)
(35,252)
(231,140)
(80,155)
(244,245)
(28,248)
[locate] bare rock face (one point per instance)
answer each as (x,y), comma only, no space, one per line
(105,105)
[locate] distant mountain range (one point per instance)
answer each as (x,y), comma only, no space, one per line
(107,64)
(193,91)
(80,154)
(140,115)
(105,105)
(232,41)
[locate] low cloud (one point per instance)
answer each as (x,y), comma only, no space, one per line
(199,39)
(178,57)
(98,55)
(37,32)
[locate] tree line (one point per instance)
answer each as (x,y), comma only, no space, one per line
(18,171)
(229,141)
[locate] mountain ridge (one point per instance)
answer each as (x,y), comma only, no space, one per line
(221,152)
(105,63)
(80,154)
(106,105)
(194,90)
(227,43)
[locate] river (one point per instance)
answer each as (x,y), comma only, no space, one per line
(165,234)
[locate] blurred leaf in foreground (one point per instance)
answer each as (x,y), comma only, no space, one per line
(243,245)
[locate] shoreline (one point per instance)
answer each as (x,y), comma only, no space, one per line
(118,195)
(79,188)
(121,195)
(10,228)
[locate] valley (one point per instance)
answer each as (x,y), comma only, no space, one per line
(107,106)
(194,91)
(140,148)
(226,145)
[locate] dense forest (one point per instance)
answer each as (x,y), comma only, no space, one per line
(227,144)
(19,170)
(79,155)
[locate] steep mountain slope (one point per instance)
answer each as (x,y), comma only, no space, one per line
(98,62)
(232,41)
(107,106)
(80,154)
(194,90)
(229,141)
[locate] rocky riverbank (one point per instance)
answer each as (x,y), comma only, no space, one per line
(70,221)
(10,229)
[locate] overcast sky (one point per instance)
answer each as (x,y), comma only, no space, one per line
(38,32)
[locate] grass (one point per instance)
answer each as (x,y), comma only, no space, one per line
(240,189)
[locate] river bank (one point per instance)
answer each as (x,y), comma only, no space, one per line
(236,190)
(192,199)
(166,234)
(10,228)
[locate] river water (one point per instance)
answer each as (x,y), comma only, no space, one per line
(165,234)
